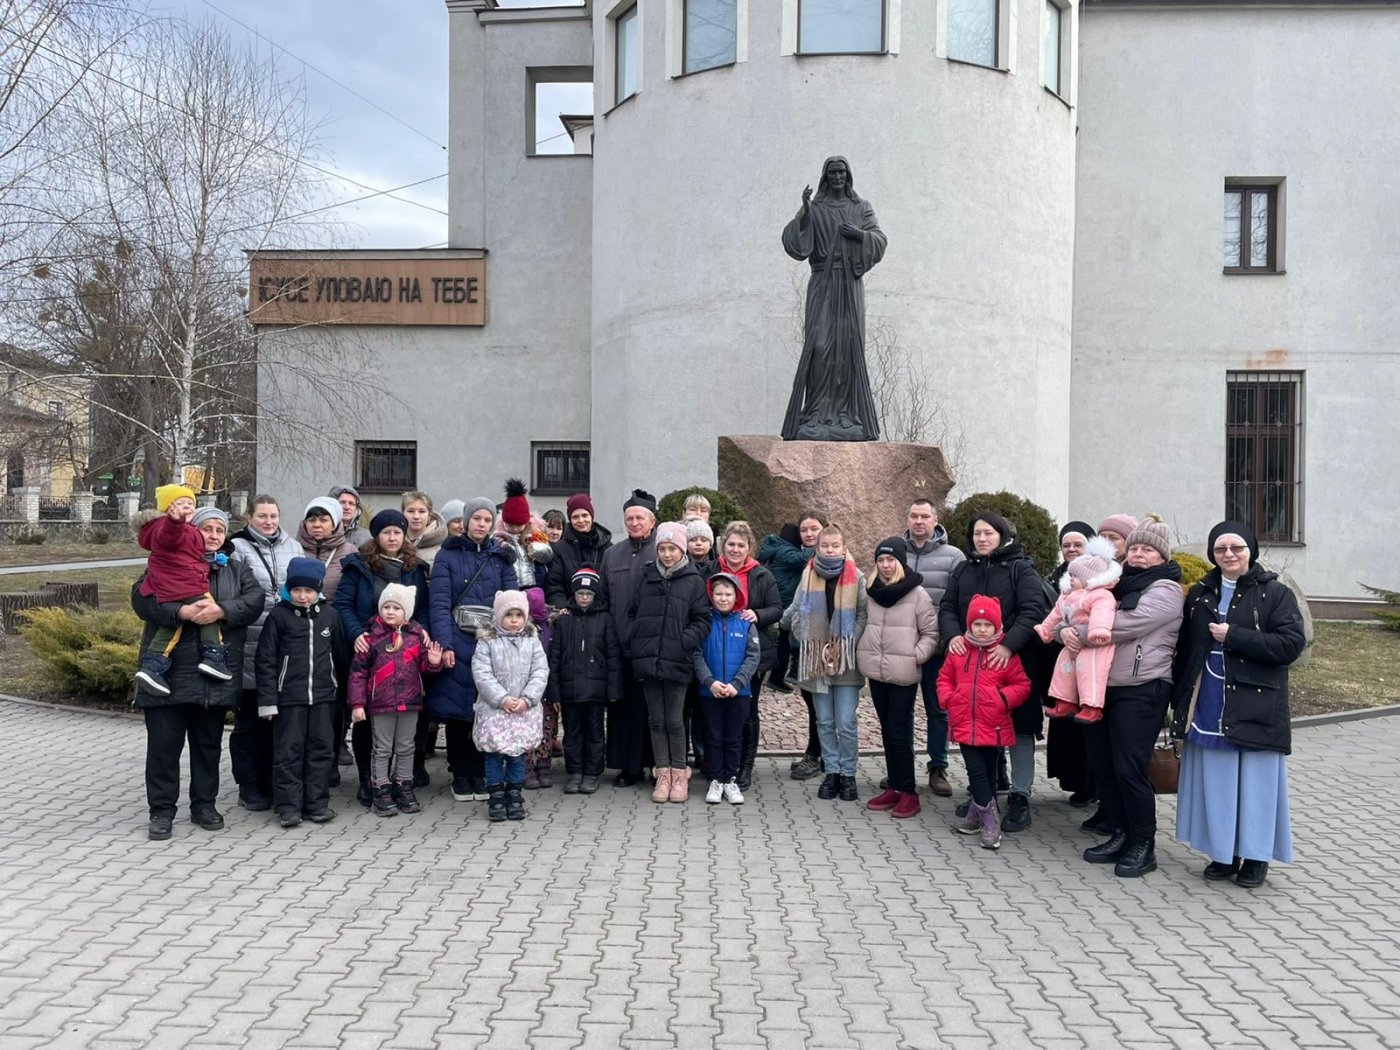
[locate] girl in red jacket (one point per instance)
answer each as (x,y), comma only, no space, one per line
(979,697)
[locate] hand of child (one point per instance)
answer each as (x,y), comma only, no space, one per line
(957,646)
(1069,638)
(1044,632)
(362,644)
(357,714)
(449,658)
(434,654)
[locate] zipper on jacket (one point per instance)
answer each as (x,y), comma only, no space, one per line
(282,675)
(976,667)
(310,660)
(1137,660)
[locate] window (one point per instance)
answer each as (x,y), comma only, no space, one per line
(1252,228)
(711,31)
(386,466)
(625,55)
(1053,45)
(561,468)
(834,27)
(554,96)
(973,31)
(56,409)
(1264,452)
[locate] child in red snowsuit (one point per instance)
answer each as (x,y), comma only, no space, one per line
(979,696)
(1079,679)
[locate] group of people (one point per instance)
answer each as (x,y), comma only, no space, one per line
(498,626)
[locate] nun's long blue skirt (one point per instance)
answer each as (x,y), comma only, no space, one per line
(1233,803)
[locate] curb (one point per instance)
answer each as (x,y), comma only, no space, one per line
(1360,713)
(78,708)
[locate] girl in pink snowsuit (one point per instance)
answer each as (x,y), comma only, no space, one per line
(1079,680)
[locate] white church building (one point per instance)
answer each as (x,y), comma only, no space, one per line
(1143,255)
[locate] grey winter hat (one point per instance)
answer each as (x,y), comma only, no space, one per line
(476,503)
(204,514)
(453,509)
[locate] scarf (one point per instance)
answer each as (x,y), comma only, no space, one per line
(991,643)
(828,645)
(887,595)
(1134,582)
(742,575)
(666,573)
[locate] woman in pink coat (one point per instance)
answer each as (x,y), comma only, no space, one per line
(1079,679)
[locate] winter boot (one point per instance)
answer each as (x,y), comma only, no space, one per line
(1018,813)
(407,800)
(1139,860)
(515,802)
(680,785)
(938,782)
(384,800)
(907,806)
(971,822)
(574,784)
(830,785)
(532,776)
(1063,709)
(847,789)
(1089,715)
(964,807)
(662,791)
(213,661)
(151,675)
(544,772)
(496,803)
(364,795)
(991,826)
(748,753)
(420,774)
(1109,852)
(1252,874)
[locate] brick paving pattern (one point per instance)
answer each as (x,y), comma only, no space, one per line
(609,921)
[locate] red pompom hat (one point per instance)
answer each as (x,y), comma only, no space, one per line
(516,509)
(984,608)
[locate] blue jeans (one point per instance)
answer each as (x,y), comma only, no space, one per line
(836,725)
(504,769)
(937,717)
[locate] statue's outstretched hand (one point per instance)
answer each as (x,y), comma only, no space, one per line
(807,197)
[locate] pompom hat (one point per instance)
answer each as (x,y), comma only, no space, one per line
(516,509)
(1154,533)
(1096,567)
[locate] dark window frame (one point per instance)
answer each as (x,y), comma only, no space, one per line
(1247,191)
(1261,471)
(997,63)
(570,484)
(619,98)
(686,71)
(884,35)
(394,483)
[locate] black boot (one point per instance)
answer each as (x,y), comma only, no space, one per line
(1252,873)
(748,752)
(515,801)
(846,788)
(830,785)
(1140,858)
(1096,823)
(1109,852)
(365,795)
(496,803)
(1018,813)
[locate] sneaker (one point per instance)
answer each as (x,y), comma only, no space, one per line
(405,799)
(829,787)
(938,782)
(807,767)
(715,795)
(496,803)
(1097,823)
(213,661)
(847,789)
(384,801)
(589,785)
(462,789)
(151,675)
(732,794)
(160,829)
(479,792)
(574,784)
(1018,813)
(515,801)
(320,816)
(886,799)
(907,806)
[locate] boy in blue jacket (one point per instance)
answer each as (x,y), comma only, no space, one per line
(725,666)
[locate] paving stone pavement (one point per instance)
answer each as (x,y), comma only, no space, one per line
(609,921)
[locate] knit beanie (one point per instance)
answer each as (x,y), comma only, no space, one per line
(506,601)
(168,494)
(1122,524)
(386,519)
(1082,528)
(791,533)
(401,595)
(1154,532)
(671,532)
(516,509)
(585,579)
(476,503)
(578,501)
(640,498)
(452,509)
(324,505)
(895,547)
(204,514)
(1233,528)
(305,572)
(695,529)
(1096,567)
(984,608)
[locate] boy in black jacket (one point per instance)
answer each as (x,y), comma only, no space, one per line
(585,673)
(302,654)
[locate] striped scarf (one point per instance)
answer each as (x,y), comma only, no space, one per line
(827,645)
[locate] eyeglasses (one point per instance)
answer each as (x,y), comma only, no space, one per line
(1231,550)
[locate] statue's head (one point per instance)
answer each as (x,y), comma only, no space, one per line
(837,180)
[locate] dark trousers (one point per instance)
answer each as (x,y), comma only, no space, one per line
(695,721)
(464,761)
(584,745)
(1119,749)
(752,729)
(937,718)
(629,737)
(814,742)
(422,736)
(981,765)
(303,756)
(167,729)
(725,720)
(250,750)
(362,744)
(783,664)
(1066,757)
(895,706)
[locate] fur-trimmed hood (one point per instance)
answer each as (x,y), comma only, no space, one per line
(141,518)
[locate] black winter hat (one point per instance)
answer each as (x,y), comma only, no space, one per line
(895,547)
(386,518)
(640,498)
(1082,527)
(1241,530)
(585,579)
(791,533)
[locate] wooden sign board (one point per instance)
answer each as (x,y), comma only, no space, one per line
(366,291)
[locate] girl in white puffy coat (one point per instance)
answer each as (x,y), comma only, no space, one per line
(511,671)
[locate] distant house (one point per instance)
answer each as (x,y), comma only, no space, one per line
(45,425)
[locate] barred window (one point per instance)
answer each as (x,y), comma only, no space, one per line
(1264,453)
(560,468)
(386,466)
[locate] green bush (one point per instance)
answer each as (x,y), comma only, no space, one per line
(1040,536)
(723,509)
(98,537)
(28,536)
(1390,615)
(85,651)
(1193,569)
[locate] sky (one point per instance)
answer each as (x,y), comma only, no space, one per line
(394,54)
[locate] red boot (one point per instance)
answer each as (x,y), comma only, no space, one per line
(907,806)
(1064,709)
(887,799)
(1089,714)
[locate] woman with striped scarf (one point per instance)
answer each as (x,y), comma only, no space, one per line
(826,617)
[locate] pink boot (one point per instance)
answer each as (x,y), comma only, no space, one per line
(680,784)
(662,791)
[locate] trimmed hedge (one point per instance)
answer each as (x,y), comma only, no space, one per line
(723,509)
(1193,569)
(86,651)
(1040,536)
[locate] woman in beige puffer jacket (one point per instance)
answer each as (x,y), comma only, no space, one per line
(901,634)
